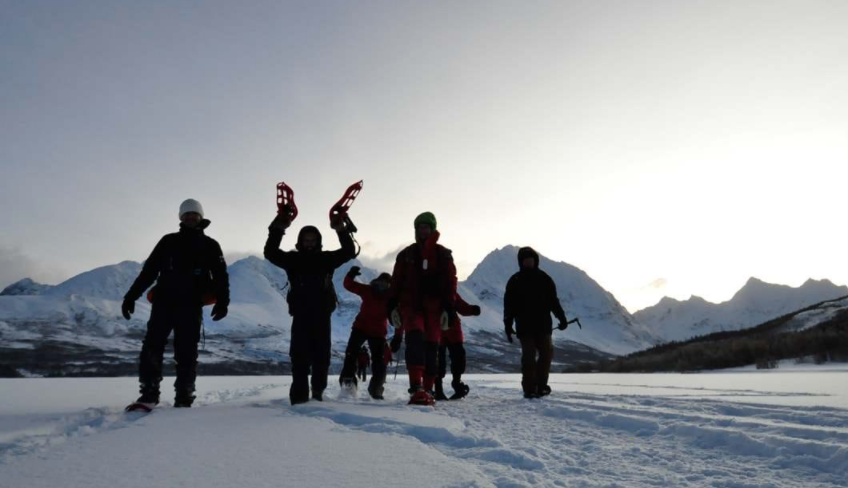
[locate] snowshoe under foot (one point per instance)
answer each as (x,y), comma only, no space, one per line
(544,390)
(376,392)
(348,386)
(318,396)
(140,407)
(422,397)
(460,390)
(531,395)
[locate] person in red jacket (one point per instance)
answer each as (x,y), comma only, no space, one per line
(452,343)
(371,326)
(422,304)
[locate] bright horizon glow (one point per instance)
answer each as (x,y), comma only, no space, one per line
(666,149)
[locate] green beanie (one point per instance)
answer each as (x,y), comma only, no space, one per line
(426,218)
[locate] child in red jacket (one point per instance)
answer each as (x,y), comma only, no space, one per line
(453,344)
(371,326)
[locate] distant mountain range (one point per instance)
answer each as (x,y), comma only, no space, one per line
(75,328)
(755,303)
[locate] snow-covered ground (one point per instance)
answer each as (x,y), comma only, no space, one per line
(781,428)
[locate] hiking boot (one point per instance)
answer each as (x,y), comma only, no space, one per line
(544,390)
(460,390)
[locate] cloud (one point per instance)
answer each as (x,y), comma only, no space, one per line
(15,265)
(657,284)
(374,259)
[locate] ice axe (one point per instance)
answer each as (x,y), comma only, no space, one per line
(572,321)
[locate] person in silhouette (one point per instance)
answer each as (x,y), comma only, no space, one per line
(529,300)
(311,299)
(189,270)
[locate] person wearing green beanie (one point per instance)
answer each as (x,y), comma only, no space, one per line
(421,305)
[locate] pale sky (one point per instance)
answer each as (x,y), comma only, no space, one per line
(664,147)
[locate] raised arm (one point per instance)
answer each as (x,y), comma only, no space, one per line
(352,286)
(272,251)
(346,253)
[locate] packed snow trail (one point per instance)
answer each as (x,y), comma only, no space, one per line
(721,430)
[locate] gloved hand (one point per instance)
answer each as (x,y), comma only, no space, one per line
(337,222)
(397,339)
(354,271)
(219,311)
(475,310)
(128,308)
(281,222)
(509,332)
(562,325)
(397,323)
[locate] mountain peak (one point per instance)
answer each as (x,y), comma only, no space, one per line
(25,286)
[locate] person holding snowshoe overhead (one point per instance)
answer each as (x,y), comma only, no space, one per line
(371,326)
(453,344)
(422,303)
(189,270)
(529,300)
(311,298)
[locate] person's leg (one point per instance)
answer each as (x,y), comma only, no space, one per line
(378,367)
(528,364)
(543,367)
(300,359)
(442,361)
(414,355)
(152,353)
(458,362)
(320,356)
(349,368)
(431,364)
(189,320)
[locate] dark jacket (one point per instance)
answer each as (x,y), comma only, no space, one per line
(530,299)
(310,273)
(185,265)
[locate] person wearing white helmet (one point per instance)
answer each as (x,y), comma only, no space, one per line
(189,270)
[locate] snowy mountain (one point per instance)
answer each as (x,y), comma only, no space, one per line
(24,287)
(756,302)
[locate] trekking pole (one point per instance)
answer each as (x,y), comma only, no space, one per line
(572,321)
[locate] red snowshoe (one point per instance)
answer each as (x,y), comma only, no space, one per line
(339,210)
(140,407)
(285,201)
(422,397)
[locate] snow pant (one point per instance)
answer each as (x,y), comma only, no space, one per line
(423,334)
(535,371)
(377,345)
(457,359)
(310,353)
(185,322)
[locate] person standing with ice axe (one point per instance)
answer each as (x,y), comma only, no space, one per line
(529,300)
